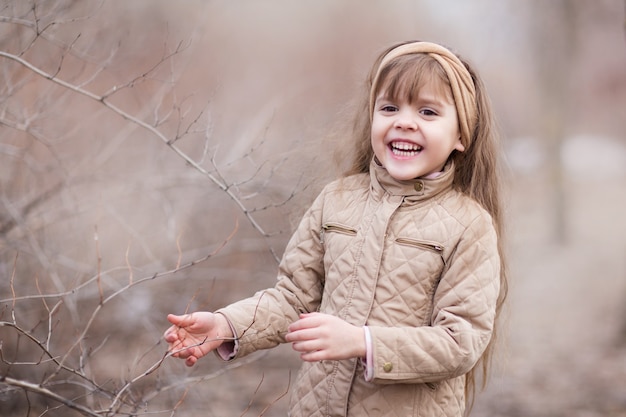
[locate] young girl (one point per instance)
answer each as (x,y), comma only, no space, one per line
(390,287)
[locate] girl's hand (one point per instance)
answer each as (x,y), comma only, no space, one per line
(320,336)
(192,336)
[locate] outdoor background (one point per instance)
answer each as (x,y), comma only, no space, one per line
(155,156)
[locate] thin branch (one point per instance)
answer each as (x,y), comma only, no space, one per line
(279,397)
(44,351)
(33,25)
(98,263)
(38,389)
(204,377)
(256,391)
(13,298)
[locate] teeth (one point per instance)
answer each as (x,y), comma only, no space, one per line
(406,146)
(405,149)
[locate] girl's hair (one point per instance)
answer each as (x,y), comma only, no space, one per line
(477,172)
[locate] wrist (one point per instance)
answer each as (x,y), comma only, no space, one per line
(225,329)
(227,350)
(360,343)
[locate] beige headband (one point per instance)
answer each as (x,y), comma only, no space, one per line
(463,89)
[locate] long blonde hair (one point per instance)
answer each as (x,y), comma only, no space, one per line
(477,170)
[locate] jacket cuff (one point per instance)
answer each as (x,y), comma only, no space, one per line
(368,360)
(228,350)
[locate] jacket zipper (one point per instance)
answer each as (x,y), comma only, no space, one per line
(338,228)
(424,244)
(431,385)
(436,247)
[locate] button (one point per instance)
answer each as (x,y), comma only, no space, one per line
(387,367)
(419,186)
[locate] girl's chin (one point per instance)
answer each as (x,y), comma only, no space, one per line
(401,171)
(403,175)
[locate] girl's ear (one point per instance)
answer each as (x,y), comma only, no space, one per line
(459,146)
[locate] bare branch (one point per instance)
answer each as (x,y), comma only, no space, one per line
(204,377)
(36,388)
(281,396)
(252,398)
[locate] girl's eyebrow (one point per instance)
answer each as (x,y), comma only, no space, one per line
(433,100)
(430,101)
(422,97)
(430,97)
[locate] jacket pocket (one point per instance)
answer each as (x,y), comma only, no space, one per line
(332,227)
(422,244)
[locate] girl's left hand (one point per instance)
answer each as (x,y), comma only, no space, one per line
(320,337)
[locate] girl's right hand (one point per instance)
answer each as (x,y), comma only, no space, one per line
(192,336)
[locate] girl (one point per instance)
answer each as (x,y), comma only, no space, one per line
(390,287)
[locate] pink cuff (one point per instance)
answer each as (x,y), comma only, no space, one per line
(369,360)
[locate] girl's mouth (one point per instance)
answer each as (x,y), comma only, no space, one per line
(405,149)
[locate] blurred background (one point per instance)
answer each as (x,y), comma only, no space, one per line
(155,156)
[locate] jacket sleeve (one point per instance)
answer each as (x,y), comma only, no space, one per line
(261,321)
(463,317)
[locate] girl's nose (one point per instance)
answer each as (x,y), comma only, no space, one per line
(406,122)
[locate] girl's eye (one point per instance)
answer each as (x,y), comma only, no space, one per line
(428,112)
(388,108)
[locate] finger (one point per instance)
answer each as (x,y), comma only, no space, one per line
(183,352)
(295,326)
(171,334)
(302,335)
(299,347)
(191,361)
(306,322)
(314,356)
(315,316)
(175,350)
(304,347)
(179,321)
(173,318)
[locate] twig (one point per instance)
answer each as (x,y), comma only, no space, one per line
(279,397)
(13,298)
(98,263)
(128,265)
(205,377)
(36,388)
(256,391)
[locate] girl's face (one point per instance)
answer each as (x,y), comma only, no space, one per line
(414,139)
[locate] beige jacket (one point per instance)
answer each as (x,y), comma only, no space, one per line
(416,262)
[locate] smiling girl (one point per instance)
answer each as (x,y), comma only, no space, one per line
(390,287)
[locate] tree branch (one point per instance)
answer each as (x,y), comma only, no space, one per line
(38,389)
(103,99)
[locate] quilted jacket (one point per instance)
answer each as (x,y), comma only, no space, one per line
(415,261)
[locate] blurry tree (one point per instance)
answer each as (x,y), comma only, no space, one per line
(81,109)
(555,43)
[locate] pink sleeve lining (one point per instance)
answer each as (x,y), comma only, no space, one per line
(368,360)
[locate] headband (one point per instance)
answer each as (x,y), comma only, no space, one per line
(463,89)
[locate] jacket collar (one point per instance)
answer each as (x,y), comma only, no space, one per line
(418,189)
